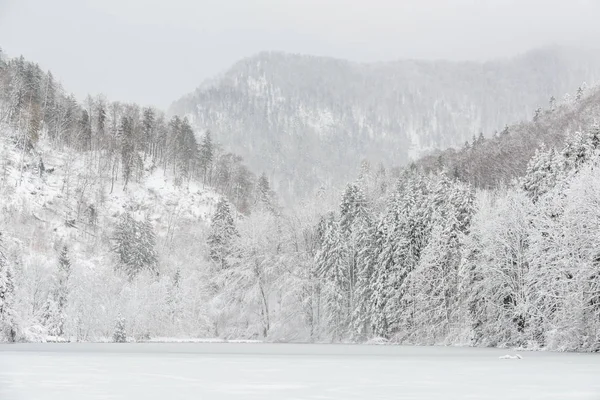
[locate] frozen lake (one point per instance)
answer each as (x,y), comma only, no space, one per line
(225,371)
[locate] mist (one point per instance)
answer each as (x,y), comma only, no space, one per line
(152,52)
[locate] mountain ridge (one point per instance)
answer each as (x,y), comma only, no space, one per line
(279,109)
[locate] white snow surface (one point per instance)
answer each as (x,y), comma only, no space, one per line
(288,372)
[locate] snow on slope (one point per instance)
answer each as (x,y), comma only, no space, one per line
(74,204)
(67,191)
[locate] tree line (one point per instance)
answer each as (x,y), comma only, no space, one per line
(125,139)
(429,260)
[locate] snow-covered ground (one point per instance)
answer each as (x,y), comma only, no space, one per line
(281,371)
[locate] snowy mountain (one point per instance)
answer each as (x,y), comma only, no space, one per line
(309,121)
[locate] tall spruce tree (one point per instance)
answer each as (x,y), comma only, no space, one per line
(8,324)
(331,261)
(148,131)
(85,127)
(206,157)
(128,150)
(120,334)
(135,243)
(62,285)
(222,234)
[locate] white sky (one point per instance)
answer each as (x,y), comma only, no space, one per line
(152,51)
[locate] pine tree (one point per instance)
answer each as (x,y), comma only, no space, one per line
(8,325)
(135,243)
(222,234)
(62,286)
(354,217)
(85,126)
(128,151)
(148,122)
(174,297)
(332,267)
(50,108)
(64,263)
(380,182)
(579,95)
(581,147)
(173,142)
(101,118)
(366,261)
(383,277)
(120,334)
(35,123)
(365,179)
(187,150)
(264,194)
(51,317)
(543,172)
(206,156)
(353,207)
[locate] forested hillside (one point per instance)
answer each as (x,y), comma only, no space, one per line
(120,225)
(104,208)
(309,121)
(500,159)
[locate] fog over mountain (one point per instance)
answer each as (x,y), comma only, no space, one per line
(151,51)
(309,121)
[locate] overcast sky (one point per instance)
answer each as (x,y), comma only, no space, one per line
(154,51)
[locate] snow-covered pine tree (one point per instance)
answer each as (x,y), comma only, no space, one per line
(544,170)
(51,317)
(120,334)
(388,239)
(85,129)
(101,118)
(407,236)
(206,157)
(365,180)
(187,153)
(174,299)
(221,235)
(264,195)
(135,243)
(581,147)
(62,286)
(332,267)
(148,130)
(579,94)
(130,160)
(367,238)
(355,219)
(8,325)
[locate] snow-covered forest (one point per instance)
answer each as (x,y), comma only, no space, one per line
(119,223)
